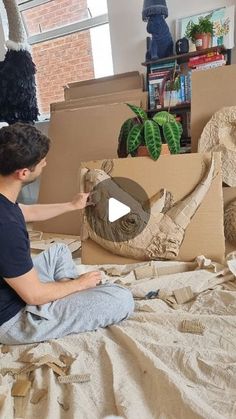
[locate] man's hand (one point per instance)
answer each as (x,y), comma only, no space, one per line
(34,292)
(80,201)
(90,280)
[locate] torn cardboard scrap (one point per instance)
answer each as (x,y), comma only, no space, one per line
(20,388)
(5,349)
(146,271)
(38,395)
(35,235)
(63,403)
(183,295)
(192,326)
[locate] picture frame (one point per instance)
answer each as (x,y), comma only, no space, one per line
(223,19)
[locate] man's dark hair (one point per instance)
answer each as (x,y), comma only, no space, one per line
(21,146)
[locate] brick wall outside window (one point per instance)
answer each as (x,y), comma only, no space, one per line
(63,60)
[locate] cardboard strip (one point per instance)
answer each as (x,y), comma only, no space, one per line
(50,359)
(74,378)
(2,400)
(56,369)
(10,371)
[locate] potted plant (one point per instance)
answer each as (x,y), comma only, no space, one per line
(145,136)
(201,33)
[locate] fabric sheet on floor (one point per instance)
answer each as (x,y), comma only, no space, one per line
(145,367)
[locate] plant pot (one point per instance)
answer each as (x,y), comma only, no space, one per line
(202,41)
(143,151)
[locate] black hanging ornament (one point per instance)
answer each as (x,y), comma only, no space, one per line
(18,101)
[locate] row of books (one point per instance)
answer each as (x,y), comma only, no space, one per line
(206,61)
(168,88)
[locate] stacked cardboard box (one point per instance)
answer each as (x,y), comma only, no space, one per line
(84,127)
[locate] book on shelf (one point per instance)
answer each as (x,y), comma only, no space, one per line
(156,98)
(160,66)
(207,66)
(206,58)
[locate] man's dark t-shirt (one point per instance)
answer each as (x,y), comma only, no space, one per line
(15,257)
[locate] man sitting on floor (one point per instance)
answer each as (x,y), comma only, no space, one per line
(43,298)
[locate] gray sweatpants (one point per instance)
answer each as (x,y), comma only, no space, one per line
(80,312)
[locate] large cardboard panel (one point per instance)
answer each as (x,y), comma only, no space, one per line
(179,174)
(77,135)
(104,85)
(119,97)
(211,90)
(229,195)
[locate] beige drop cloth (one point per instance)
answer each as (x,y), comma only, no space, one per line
(145,368)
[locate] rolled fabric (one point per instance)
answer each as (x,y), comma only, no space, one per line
(154,7)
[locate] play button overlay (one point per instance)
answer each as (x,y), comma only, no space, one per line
(120,210)
(116,210)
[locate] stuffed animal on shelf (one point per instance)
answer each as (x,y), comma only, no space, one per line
(161,44)
(18,100)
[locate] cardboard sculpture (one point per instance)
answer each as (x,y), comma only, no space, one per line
(229,195)
(219,134)
(211,90)
(197,198)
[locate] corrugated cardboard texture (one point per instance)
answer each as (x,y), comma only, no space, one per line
(178,174)
(229,194)
(211,90)
(119,97)
(78,135)
(104,85)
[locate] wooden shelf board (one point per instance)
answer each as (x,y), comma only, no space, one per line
(185,57)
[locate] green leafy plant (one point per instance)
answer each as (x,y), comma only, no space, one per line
(149,132)
(204,25)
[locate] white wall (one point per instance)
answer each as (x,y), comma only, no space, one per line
(128,32)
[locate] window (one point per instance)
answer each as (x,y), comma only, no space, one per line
(70,42)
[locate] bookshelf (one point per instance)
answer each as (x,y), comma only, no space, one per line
(182,107)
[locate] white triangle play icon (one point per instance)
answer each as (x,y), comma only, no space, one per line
(116,210)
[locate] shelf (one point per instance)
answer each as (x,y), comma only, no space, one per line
(181,58)
(181,106)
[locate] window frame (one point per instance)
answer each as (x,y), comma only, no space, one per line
(80,26)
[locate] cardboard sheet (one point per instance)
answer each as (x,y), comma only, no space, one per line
(78,134)
(118,97)
(179,174)
(211,90)
(104,85)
